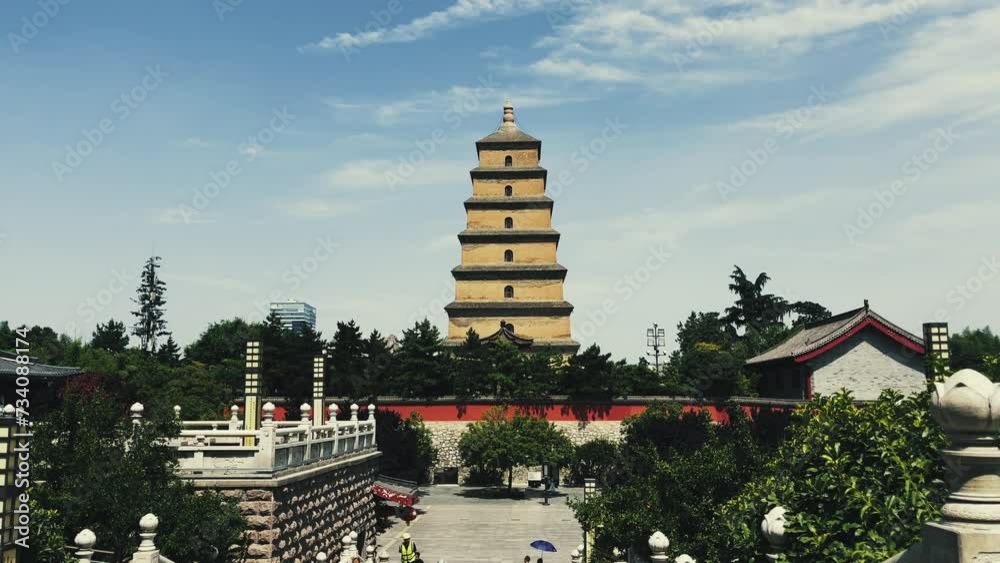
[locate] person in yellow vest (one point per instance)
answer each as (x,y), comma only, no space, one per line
(407,550)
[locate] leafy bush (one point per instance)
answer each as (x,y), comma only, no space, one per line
(596,459)
(407,446)
(858,482)
(675,468)
(97,470)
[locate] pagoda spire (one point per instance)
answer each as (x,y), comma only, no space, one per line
(509,122)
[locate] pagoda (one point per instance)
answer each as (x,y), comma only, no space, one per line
(509,285)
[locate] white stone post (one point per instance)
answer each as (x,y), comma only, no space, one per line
(84,541)
(345,549)
(354,420)
(685,559)
(967,405)
(773,528)
(334,410)
(147,552)
(136,413)
(267,436)
(177,412)
(354,543)
(658,545)
(321,556)
(234,417)
(383,557)
(575,556)
(371,417)
(370,554)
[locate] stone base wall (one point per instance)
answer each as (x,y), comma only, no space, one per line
(446,436)
(294,517)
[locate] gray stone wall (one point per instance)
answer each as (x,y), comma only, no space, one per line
(294,517)
(866,364)
(446,436)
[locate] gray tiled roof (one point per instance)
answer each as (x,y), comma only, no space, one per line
(508,135)
(820,333)
(8,368)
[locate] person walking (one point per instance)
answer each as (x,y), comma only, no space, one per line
(418,559)
(407,550)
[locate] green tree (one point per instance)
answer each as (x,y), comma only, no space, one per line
(223,341)
(858,481)
(169,353)
(407,446)
(976,349)
(596,459)
(754,309)
(591,375)
(499,443)
(421,367)
(111,336)
(97,470)
(347,361)
(150,300)
(378,360)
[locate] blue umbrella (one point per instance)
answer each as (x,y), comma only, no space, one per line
(542,545)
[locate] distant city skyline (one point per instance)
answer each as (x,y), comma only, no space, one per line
(321,151)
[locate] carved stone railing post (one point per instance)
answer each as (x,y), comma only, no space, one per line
(267,435)
(371,417)
(575,556)
(321,556)
(147,552)
(177,412)
(84,541)
(354,420)
(383,557)
(685,559)
(967,405)
(658,545)
(234,417)
(345,549)
(370,554)
(773,528)
(136,413)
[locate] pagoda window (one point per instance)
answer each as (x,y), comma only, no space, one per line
(508,292)
(508,223)
(508,191)
(508,162)
(508,255)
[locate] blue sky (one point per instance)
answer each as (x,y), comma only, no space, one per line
(866,132)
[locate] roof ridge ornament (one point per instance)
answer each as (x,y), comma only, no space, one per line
(509,121)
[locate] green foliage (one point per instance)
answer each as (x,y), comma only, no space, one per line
(149,322)
(595,459)
(111,336)
(977,349)
(347,361)
(858,482)
(498,443)
(407,446)
(97,470)
(169,353)
(223,341)
(675,467)
(421,367)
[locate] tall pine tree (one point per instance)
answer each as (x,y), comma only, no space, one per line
(149,322)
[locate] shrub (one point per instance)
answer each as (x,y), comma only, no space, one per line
(858,482)
(596,459)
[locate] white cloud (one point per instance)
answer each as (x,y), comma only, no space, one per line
(946,70)
(384,174)
(460,13)
(576,69)
(320,208)
(174,216)
(197,142)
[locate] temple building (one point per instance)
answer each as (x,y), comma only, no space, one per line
(509,285)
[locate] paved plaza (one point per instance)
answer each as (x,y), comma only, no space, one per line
(463,524)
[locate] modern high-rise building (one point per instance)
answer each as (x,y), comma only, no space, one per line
(509,285)
(295,315)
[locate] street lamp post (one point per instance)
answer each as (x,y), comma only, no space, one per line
(655,339)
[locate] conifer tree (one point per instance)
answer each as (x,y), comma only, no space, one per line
(149,323)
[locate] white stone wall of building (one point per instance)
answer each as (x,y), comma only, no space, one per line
(866,364)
